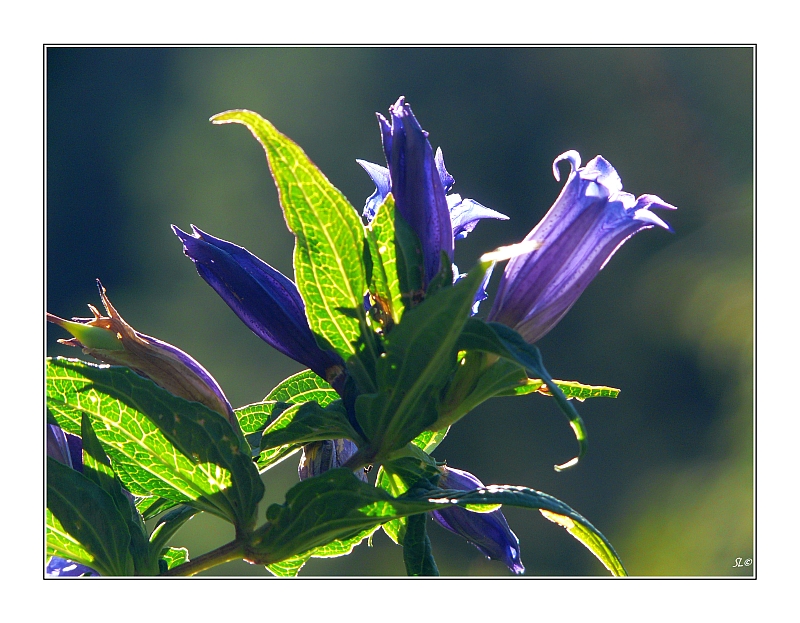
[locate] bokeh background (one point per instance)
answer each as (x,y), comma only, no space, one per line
(669,473)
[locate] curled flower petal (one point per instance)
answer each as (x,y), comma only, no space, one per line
(589,221)
(465,214)
(383,186)
(264,299)
(446,179)
(489,532)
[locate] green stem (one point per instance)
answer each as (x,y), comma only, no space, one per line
(228,552)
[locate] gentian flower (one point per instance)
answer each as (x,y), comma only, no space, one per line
(270,304)
(489,532)
(419,182)
(66,449)
(264,299)
(589,221)
(412,178)
(320,456)
(112,340)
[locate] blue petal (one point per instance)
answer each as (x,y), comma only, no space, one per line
(446,179)
(383,186)
(58,567)
(465,214)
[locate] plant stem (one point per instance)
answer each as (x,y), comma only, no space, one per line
(230,551)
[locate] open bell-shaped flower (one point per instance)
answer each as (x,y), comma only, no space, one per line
(112,340)
(489,532)
(589,221)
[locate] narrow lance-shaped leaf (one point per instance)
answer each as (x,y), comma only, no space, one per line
(329,236)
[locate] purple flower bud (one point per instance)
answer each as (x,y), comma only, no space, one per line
(112,340)
(263,298)
(416,186)
(320,456)
(589,221)
(489,532)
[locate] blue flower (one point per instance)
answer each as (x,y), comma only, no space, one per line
(264,299)
(58,567)
(419,182)
(489,532)
(589,221)
(320,456)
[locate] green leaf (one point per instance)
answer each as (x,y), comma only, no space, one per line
(172,557)
(62,543)
(304,386)
(428,440)
(88,515)
(168,525)
(555,510)
(97,468)
(332,506)
(475,381)
(159,444)
(419,359)
(496,338)
(291,566)
(337,505)
(571,389)
(153,505)
(307,422)
(398,475)
(417,551)
(385,282)
(329,237)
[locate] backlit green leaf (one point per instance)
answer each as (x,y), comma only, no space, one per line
(97,468)
(329,270)
(89,516)
(159,444)
(385,284)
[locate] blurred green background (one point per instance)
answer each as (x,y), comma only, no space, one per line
(669,473)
